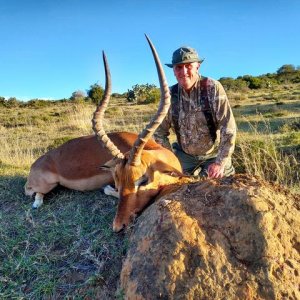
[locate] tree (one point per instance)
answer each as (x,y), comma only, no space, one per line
(233,84)
(12,102)
(78,96)
(118,95)
(95,93)
(143,93)
(252,82)
(255,83)
(286,69)
(2,101)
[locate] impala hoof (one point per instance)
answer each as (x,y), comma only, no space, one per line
(36,205)
(38,200)
(109,190)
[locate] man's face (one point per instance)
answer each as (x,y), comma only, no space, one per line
(186,74)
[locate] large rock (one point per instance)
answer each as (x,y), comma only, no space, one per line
(237,238)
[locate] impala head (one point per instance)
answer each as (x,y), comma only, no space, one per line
(138,185)
(138,174)
(136,188)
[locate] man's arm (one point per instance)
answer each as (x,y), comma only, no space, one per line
(226,123)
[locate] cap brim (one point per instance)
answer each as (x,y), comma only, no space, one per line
(184,62)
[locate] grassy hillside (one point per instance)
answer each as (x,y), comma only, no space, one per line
(67,249)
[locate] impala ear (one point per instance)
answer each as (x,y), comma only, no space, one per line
(109,165)
(104,168)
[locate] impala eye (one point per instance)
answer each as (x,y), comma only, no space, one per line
(142,181)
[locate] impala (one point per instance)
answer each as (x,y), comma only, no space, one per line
(75,165)
(147,169)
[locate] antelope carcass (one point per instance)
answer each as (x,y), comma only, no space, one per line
(143,172)
(76,165)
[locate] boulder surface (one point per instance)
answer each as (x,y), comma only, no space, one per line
(235,238)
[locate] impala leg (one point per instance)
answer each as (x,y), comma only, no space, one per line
(38,200)
(109,190)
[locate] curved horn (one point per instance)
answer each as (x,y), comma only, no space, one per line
(164,104)
(99,115)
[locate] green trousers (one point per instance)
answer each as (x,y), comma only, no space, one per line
(198,166)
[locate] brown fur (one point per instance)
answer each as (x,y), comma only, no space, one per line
(160,168)
(76,164)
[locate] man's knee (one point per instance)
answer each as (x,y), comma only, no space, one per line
(187,161)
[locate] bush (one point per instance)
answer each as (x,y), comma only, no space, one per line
(153,96)
(38,103)
(143,94)
(12,102)
(231,84)
(2,101)
(255,83)
(95,93)
(78,96)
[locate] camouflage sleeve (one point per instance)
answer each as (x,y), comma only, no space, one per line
(226,124)
(162,133)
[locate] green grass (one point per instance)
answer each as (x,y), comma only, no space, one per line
(67,249)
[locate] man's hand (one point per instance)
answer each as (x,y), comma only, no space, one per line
(215,171)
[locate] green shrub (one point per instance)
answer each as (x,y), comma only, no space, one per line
(36,103)
(143,94)
(153,96)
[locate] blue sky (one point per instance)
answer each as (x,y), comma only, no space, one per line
(49,49)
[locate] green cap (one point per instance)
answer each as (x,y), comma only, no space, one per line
(184,55)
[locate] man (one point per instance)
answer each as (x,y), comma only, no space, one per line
(201,117)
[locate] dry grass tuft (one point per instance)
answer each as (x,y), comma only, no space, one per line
(258,154)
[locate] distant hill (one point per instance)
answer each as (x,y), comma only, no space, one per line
(287,74)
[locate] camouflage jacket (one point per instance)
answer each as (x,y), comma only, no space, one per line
(192,131)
